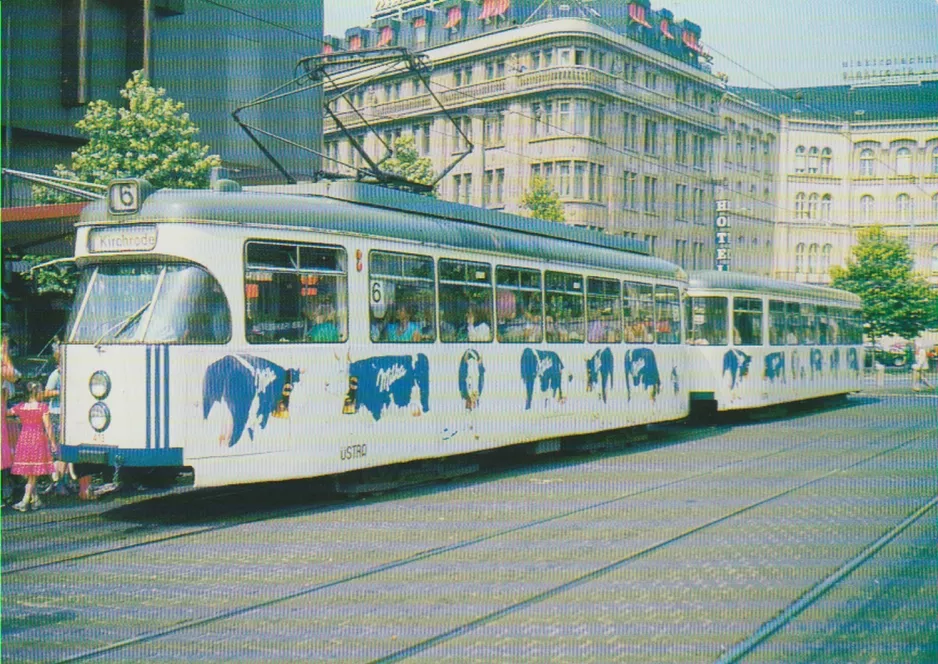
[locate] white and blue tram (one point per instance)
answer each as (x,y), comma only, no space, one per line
(259,335)
(757,341)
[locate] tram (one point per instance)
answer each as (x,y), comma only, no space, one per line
(273,334)
(756,341)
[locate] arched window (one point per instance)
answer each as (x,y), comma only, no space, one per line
(812,160)
(799,205)
(934,161)
(866,209)
(799,258)
(799,159)
(904,208)
(866,163)
(826,207)
(812,206)
(812,258)
(934,207)
(826,258)
(903,161)
(826,161)
(934,259)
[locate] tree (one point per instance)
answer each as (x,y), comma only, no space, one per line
(543,201)
(896,301)
(408,163)
(150,138)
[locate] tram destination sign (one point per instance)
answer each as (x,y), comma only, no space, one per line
(122,238)
(722,235)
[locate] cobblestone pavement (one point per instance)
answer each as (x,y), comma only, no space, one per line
(674,550)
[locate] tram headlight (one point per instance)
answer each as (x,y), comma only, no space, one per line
(99,417)
(100,384)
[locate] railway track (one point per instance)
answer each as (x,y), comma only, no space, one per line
(556,590)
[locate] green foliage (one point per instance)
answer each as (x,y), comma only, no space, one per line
(408,163)
(59,278)
(896,301)
(150,138)
(543,201)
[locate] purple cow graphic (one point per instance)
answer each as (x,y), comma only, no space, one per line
(775,367)
(641,370)
(599,370)
(735,367)
(377,382)
(251,388)
(544,368)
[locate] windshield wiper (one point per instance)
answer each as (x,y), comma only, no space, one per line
(123,324)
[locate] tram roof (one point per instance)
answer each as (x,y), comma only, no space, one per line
(752,283)
(357,208)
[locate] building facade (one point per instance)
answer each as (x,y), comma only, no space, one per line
(613,103)
(58,55)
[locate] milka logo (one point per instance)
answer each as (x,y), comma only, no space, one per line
(544,364)
(387,377)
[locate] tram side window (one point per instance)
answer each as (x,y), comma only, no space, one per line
(823,325)
(795,332)
(809,324)
(402,296)
(603,310)
(565,320)
(855,326)
(638,308)
(518,305)
(295,293)
(778,333)
(667,315)
(465,301)
(747,321)
(706,321)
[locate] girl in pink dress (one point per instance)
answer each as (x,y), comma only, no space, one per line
(9,377)
(33,456)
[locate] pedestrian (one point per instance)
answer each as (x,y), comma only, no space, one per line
(34,447)
(64,472)
(10,376)
(919,368)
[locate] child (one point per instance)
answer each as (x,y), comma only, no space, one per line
(33,456)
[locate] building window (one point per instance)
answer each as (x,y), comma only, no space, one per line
(934,259)
(680,146)
(826,207)
(826,161)
(463,76)
(812,258)
(699,146)
(813,160)
(651,186)
(630,130)
(461,138)
(799,159)
(420,30)
(651,80)
(799,258)
(698,206)
(904,208)
(493,129)
(739,149)
(680,201)
(866,163)
(630,190)
(494,191)
(542,120)
(903,161)
(812,206)
(934,207)
(462,188)
(799,205)
(495,69)
(651,137)
(826,258)
(934,161)
(866,209)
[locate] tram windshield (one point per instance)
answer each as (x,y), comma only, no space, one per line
(126,303)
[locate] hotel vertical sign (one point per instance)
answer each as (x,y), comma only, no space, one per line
(723,235)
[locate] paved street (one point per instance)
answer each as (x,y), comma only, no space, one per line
(695,545)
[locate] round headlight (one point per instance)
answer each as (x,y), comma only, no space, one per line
(100,384)
(99,417)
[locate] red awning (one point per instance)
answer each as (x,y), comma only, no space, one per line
(453,17)
(355,43)
(637,14)
(387,34)
(664,29)
(690,41)
(488,9)
(420,22)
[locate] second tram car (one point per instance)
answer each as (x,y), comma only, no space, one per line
(257,336)
(757,341)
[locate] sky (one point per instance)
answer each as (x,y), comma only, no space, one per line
(773,43)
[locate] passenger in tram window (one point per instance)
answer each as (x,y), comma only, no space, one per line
(477,329)
(404,329)
(323,328)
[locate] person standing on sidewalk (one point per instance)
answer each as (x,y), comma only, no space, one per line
(64,472)
(33,456)
(919,369)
